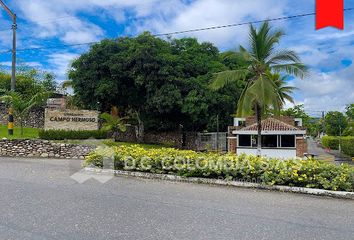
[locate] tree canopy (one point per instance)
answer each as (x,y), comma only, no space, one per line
(335,123)
(165,81)
(29,81)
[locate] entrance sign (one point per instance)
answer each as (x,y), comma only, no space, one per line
(70,120)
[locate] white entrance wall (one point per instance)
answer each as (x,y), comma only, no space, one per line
(269,152)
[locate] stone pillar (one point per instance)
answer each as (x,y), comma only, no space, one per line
(232,143)
(301,146)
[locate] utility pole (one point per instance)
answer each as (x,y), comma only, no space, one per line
(10,125)
(340,143)
(14,27)
(323,122)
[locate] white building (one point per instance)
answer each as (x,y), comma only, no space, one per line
(282,137)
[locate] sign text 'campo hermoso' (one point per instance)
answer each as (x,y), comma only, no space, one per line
(71,119)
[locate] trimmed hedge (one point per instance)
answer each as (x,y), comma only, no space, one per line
(301,173)
(64,134)
(347,144)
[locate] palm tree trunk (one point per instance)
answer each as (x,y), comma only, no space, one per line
(259,129)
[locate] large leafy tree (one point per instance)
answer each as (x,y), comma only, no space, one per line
(261,61)
(29,81)
(311,124)
(350,112)
(335,123)
(165,83)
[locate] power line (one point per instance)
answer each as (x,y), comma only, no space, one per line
(183,31)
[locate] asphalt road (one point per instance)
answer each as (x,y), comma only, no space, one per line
(39,200)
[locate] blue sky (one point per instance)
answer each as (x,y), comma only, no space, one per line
(46,23)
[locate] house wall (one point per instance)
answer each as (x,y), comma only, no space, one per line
(267,152)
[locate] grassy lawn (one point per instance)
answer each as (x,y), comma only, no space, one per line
(109,142)
(28,133)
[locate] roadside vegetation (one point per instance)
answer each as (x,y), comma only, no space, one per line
(346,144)
(300,173)
(66,134)
(28,133)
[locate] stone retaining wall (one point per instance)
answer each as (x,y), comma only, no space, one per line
(34,120)
(176,139)
(43,148)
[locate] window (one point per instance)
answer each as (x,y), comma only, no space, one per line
(244,140)
(287,141)
(270,141)
(242,123)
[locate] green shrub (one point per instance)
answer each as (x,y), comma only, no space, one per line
(64,134)
(301,173)
(347,144)
(330,142)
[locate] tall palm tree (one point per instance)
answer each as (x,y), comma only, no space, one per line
(261,61)
(67,84)
(283,90)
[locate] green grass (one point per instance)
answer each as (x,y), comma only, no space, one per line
(28,133)
(109,142)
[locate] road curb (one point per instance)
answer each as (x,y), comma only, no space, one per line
(222,182)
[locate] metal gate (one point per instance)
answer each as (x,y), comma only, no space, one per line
(212,141)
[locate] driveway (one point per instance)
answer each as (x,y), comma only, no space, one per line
(39,200)
(332,156)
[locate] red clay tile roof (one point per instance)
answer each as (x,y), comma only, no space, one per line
(271,124)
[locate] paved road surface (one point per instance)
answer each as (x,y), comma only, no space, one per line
(39,200)
(333,157)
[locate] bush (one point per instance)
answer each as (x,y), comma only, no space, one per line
(301,173)
(347,144)
(64,134)
(330,142)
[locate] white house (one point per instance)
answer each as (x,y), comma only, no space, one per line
(282,137)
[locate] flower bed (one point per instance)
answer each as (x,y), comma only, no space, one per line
(301,173)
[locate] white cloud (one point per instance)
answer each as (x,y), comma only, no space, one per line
(327,91)
(206,13)
(60,63)
(57,19)
(330,84)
